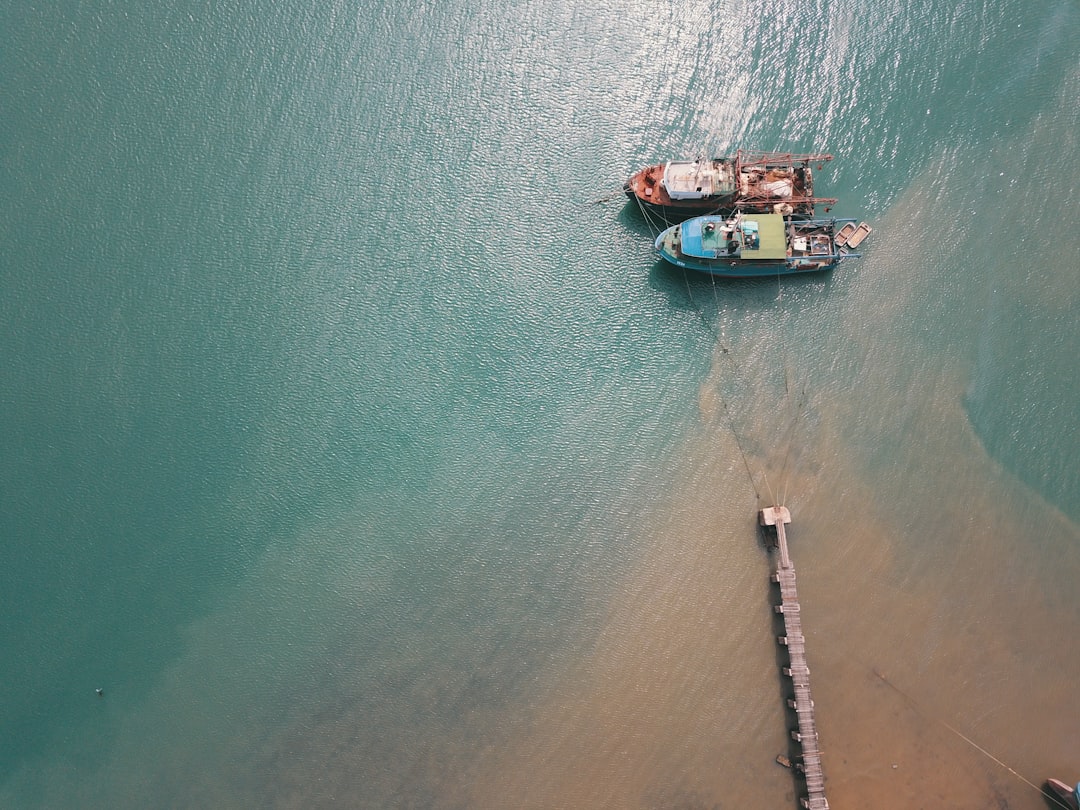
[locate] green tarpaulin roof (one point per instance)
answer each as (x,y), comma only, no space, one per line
(772,242)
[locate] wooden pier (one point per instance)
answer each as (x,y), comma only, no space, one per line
(805,735)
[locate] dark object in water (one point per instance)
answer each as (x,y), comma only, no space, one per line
(1062,795)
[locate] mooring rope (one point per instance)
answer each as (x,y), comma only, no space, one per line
(800,405)
(914,705)
(738,444)
(651,219)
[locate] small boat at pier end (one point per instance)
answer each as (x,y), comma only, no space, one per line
(755,182)
(749,245)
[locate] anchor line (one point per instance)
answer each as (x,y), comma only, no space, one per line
(608,197)
(738,444)
(650,219)
(724,350)
(800,406)
(914,705)
(659,228)
(772,495)
(727,410)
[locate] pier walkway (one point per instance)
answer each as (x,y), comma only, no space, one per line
(806,733)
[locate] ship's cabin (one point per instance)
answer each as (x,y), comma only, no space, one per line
(698,179)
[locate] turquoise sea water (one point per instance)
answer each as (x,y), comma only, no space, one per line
(356,445)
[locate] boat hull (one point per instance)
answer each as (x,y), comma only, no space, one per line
(677,210)
(719,247)
(757,271)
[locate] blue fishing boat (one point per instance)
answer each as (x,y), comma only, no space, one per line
(748,245)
